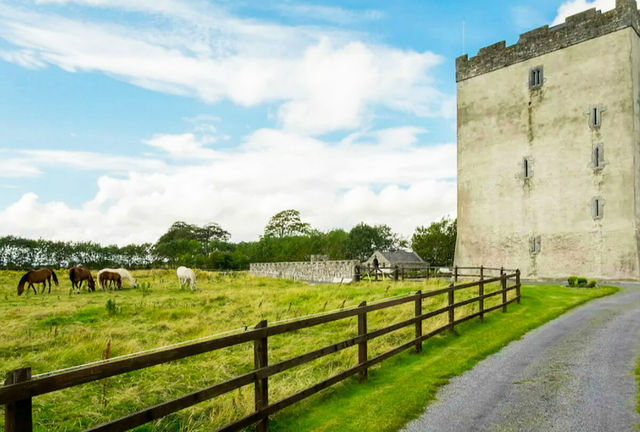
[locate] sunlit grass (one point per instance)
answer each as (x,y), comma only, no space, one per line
(48,332)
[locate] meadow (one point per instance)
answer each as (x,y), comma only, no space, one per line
(50,332)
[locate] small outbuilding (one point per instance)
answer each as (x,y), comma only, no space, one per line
(400,258)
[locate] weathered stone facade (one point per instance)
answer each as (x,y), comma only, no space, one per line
(527,182)
(317,271)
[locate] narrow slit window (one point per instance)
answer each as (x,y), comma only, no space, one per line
(597,157)
(527,168)
(535,244)
(595,117)
(536,78)
(597,208)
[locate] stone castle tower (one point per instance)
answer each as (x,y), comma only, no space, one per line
(549,150)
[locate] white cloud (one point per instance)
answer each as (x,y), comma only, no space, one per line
(323,80)
(378,177)
(183,146)
(575,6)
(30,163)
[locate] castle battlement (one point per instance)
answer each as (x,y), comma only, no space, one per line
(577,28)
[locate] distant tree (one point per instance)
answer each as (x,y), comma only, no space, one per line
(184,231)
(212,232)
(285,224)
(336,244)
(436,243)
(365,239)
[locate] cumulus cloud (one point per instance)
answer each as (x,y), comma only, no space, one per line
(379,177)
(314,81)
(573,7)
(323,80)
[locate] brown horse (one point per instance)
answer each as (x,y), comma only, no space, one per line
(78,275)
(113,277)
(42,276)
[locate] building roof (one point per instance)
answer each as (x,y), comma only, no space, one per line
(400,256)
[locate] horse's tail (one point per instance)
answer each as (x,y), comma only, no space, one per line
(72,274)
(23,281)
(55,278)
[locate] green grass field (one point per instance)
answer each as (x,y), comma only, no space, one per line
(60,330)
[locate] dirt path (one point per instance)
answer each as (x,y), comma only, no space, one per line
(572,374)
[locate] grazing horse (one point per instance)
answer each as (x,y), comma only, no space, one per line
(78,275)
(42,276)
(106,277)
(186,276)
(124,273)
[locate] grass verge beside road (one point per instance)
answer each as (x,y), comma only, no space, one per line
(398,390)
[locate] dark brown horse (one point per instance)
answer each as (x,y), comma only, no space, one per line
(42,276)
(113,277)
(78,275)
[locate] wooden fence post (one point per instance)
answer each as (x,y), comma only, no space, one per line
(451,308)
(396,273)
(455,274)
(503,282)
(402,270)
(518,286)
(419,323)
(356,276)
(481,293)
(17,415)
(428,270)
(261,360)
(362,346)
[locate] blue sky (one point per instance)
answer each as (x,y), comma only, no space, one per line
(119,117)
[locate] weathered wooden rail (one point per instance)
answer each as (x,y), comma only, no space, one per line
(20,388)
(400,272)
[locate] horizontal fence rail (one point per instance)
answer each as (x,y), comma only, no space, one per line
(425,271)
(20,387)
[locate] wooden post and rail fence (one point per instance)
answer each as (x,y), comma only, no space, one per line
(20,387)
(402,272)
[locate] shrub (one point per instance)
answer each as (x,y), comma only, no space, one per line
(112,309)
(592,283)
(582,281)
(573,280)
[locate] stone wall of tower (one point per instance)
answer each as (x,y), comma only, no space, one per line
(501,121)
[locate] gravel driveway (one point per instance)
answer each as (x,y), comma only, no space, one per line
(572,374)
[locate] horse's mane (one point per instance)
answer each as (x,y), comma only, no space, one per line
(24,279)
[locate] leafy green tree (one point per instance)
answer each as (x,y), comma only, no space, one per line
(365,239)
(336,244)
(436,243)
(286,223)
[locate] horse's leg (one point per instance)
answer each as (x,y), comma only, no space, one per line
(49,280)
(35,292)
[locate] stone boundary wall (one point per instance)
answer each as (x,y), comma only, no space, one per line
(318,271)
(577,28)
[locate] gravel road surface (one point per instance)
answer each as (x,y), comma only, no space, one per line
(572,374)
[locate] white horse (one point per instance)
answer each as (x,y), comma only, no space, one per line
(186,276)
(124,274)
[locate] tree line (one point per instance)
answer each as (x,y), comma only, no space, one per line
(286,238)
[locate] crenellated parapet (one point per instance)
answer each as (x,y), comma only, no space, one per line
(577,28)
